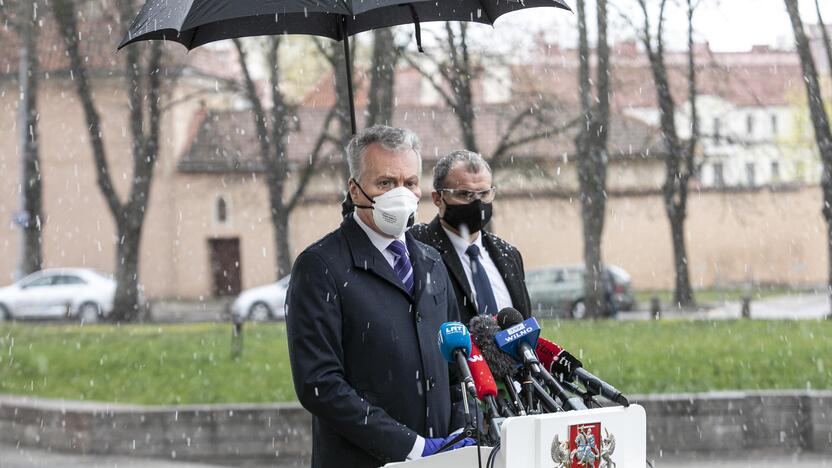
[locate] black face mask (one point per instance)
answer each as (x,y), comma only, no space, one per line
(474,215)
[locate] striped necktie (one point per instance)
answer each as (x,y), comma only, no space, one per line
(402,265)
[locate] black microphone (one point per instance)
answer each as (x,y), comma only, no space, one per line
(521,336)
(482,329)
(570,367)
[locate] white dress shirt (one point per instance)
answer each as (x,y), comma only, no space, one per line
(381,242)
(460,244)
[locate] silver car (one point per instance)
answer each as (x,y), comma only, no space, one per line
(559,291)
(59,293)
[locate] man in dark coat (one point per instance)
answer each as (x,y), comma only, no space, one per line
(365,304)
(486,271)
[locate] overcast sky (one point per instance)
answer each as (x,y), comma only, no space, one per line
(733,25)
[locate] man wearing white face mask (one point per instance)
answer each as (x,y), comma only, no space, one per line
(364,307)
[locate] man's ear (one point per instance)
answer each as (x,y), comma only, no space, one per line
(355,194)
(437,199)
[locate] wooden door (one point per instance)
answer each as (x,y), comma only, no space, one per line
(225,266)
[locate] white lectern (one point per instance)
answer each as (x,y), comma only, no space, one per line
(595,438)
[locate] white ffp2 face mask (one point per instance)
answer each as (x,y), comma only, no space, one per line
(394,211)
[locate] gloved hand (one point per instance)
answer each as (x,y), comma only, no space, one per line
(433,444)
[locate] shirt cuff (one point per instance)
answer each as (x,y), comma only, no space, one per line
(418,448)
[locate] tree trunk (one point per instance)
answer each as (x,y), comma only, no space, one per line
(382,78)
(32,185)
(820,122)
(126,303)
(280,220)
(683,292)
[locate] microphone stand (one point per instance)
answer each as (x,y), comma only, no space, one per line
(528,392)
(469,429)
(587,397)
(515,397)
(546,400)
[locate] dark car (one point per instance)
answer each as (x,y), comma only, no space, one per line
(559,291)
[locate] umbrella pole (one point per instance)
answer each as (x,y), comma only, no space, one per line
(346,40)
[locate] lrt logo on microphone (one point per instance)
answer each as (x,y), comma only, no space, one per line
(454,329)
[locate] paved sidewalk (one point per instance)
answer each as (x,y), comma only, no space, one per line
(751,461)
(791,307)
(23,457)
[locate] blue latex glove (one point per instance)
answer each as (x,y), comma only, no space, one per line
(433,444)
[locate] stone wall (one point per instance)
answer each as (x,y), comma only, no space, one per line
(715,423)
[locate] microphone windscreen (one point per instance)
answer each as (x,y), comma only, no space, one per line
(453,336)
(483,378)
(508,317)
(483,328)
(547,352)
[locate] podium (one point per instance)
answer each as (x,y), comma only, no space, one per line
(594,438)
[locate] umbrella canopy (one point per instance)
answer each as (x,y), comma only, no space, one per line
(196,22)
(193,23)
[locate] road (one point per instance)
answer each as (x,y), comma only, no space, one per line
(11,457)
(792,307)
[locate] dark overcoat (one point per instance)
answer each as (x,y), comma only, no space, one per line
(364,352)
(506,257)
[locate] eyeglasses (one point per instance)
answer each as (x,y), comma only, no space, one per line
(467,196)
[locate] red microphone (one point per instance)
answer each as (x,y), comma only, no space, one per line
(483,380)
(547,353)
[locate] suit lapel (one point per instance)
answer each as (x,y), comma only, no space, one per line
(422,266)
(365,255)
(449,256)
(507,267)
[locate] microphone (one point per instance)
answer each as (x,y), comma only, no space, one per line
(518,338)
(455,346)
(560,361)
(483,329)
(483,381)
(570,367)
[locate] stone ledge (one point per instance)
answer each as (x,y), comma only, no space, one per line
(707,423)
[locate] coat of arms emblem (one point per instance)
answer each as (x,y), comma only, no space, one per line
(585,448)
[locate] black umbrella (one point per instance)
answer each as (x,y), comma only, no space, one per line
(193,23)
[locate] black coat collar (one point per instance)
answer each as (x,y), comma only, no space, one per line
(366,256)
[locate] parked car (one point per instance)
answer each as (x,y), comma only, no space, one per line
(559,291)
(59,293)
(265,302)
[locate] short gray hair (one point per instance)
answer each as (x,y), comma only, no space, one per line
(473,163)
(390,138)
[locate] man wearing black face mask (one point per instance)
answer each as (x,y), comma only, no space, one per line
(486,271)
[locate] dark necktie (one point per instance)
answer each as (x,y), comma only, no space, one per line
(486,304)
(402,265)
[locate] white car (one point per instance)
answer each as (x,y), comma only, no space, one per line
(59,293)
(261,303)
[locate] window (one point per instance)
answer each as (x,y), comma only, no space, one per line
(718,176)
(775,171)
(717,131)
(749,124)
(750,174)
(222,210)
(64,280)
(774,125)
(40,282)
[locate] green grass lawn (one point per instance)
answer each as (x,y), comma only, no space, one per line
(180,364)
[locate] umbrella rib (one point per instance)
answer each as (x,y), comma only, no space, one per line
(487,15)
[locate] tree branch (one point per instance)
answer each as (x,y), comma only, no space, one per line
(309,171)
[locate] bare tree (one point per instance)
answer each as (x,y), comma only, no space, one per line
(827,42)
(454,71)
(272,124)
(143,85)
(820,122)
(680,160)
(23,18)
(591,143)
(380,96)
